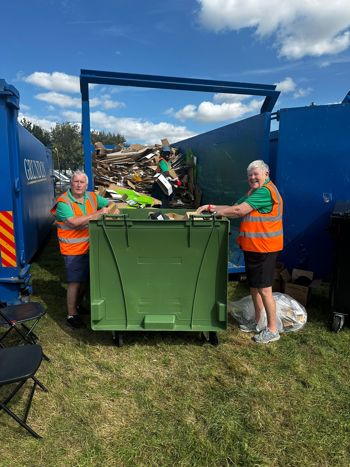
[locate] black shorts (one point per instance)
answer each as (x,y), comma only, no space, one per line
(260,268)
(77,267)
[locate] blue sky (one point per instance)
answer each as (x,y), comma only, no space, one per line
(301,45)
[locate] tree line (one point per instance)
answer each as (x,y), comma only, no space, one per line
(65,142)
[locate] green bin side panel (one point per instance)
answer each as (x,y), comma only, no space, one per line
(158,275)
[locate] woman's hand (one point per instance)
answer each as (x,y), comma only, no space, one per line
(206,207)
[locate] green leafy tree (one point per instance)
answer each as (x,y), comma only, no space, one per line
(66,146)
(110,139)
(36,130)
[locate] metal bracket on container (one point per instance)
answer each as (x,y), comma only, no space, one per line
(201,220)
(109,219)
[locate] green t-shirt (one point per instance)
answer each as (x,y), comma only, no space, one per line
(164,166)
(259,199)
(64,211)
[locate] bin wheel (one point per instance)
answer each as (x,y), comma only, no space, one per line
(213,338)
(337,323)
(118,339)
(204,337)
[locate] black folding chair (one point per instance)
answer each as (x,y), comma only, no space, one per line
(15,317)
(18,365)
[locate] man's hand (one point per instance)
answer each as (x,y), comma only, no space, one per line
(102,211)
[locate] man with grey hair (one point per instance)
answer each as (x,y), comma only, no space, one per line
(73,211)
(261,239)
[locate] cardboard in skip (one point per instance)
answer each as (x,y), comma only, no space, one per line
(164,184)
(298,285)
(177,217)
(172,174)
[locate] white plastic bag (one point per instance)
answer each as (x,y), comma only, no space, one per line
(291,315)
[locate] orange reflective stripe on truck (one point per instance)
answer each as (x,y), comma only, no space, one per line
(7,240)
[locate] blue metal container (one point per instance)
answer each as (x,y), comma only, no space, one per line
(26,196)
(223,156)
(312,172)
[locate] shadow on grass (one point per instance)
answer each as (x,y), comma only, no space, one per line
(48,280)
(49,284)
(53,294)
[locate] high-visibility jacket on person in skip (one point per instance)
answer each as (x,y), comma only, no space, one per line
(263,233)
(168,164)
(74,241)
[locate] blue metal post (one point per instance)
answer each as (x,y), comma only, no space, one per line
(85,108)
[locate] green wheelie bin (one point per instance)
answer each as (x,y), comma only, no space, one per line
(158,275)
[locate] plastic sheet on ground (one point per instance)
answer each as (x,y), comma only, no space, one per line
(291,315)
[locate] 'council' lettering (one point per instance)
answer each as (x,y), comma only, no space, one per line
(35,170)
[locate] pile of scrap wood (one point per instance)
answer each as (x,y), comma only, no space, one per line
(134,168)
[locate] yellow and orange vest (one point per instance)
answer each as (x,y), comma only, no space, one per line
(263,233)
(74,241)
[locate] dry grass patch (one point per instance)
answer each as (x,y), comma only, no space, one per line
(165,399)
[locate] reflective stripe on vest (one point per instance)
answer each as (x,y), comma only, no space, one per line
(263,233)
(75,241)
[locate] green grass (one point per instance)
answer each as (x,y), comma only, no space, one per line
(164,399)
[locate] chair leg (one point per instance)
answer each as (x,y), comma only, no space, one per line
(4,334)
(33,337)
(29,402)
(25,337)
(40,384)
(45,357)
(29,331)
(16,389)
(23,421)
(29,336)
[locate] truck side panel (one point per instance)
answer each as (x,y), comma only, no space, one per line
(26,195)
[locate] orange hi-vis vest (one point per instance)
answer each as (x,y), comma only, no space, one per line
(74,241)
(263,233)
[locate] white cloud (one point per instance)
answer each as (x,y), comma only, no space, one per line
(106,102)
(210,112)
(287,85)
(55,81)
(45,123)
(302,92)
(223,97)
(61,100)
(300,27)
(187,112)
(132,128)
(25,107)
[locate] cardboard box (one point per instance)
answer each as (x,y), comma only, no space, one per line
(298,291)
(164,184)
(278,283)
(175,217)
(195,216)
(172,174)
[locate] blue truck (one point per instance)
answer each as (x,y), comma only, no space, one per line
(26,196)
